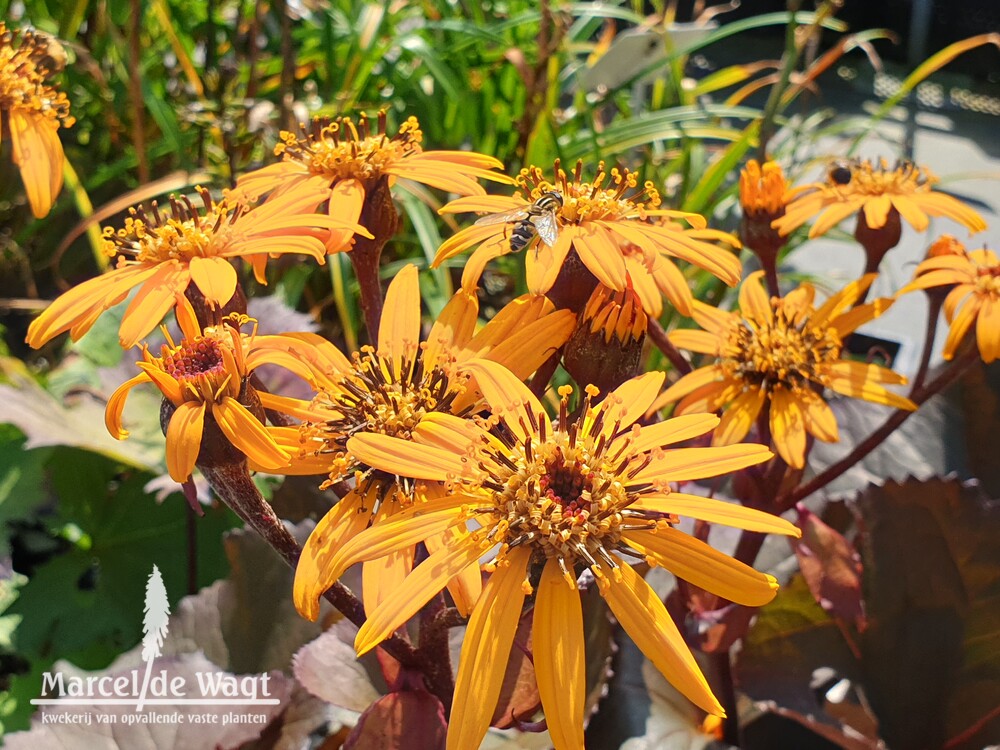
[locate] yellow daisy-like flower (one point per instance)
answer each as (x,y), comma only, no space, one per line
(975,298)
(779,352)
(604,221)
(204,378)
(551,499)
(391,390)
(163,254)
(879,193)
(351,159)
(33,112)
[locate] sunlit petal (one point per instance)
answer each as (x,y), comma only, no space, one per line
(426,580)
(647,622)
(485,651)
(717,511)
(184,439)
(558,640)
(700,564)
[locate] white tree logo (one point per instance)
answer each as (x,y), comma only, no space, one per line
(156,613)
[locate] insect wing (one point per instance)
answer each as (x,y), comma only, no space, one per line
(547,227)
(504,217)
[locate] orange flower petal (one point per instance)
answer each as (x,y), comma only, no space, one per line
(846,323)
(251,186)
(840,302)
(833,215)
(672,431)
(426,580)
(399,329)
(850,386)
(489,204)
(485,652)
(558,643)
(910,212)
(442,178)
(877,211)
(542,267)
(713,319)
(754,301)
(155,298)
(647,289)
(820,419)
(215,277)
(102,292)
(861,372)
(184,439)
(940,204)
(647,622)
(930,279)
(446,431)
(601,254)
(465,587)
(964,317)
(479,259)
(508,396)
(698,563)
(739,417)
(988,329)
(314,573)
(788,427)
(38,153)
(629,401)
(403,529)
(674,286)
(246,432)
(717,511)
(453,328)
(692,340)
(405,458)
(466,238)
(711,397)
(383,576)
(526,309)
(116,405)
(688,384)
(347,198)
(462,158)
(687,464)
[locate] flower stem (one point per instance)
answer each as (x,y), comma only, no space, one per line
(659,337)
(934,302)
(862,449)
(366,269)
(380,217)
(434,650)
(232,483)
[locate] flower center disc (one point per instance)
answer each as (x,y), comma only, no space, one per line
(779,354)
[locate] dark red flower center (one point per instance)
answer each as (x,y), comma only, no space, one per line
(565,482)
(193,359)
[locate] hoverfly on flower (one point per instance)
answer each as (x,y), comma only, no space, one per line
(535,220)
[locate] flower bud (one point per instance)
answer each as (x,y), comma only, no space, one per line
(606,348)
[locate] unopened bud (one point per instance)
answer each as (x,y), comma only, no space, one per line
(606,348)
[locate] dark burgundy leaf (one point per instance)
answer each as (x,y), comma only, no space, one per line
(412,720)
(831,567)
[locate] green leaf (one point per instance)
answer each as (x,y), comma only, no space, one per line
(93,594)
(21,480)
